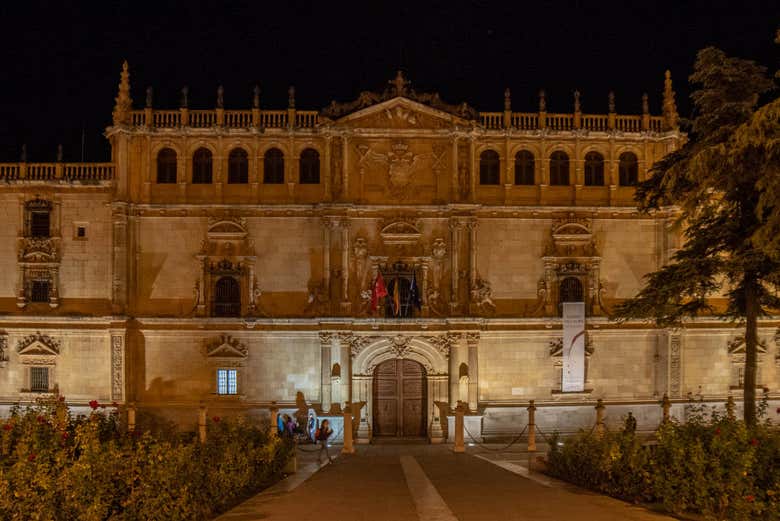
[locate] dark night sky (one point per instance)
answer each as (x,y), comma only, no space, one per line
(60,65)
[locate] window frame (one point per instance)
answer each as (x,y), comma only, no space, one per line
(560,166)
(525,159)
(594,169)
(227,381)
(202,166)
(167,166)
(238,167)
(44,370)
(489,168)
(273,166)
(625,174)
(309,173)
(218,307)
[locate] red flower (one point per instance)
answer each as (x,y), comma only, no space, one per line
(114,404)
(750,498)
(31,457)
(41,419)
(216,419)
(7,427)
(754,442)
(94,404)
(717,431)
(778,410)
(65,435)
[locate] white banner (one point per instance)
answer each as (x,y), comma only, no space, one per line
(573,346)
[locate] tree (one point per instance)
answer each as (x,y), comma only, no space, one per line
(718,181)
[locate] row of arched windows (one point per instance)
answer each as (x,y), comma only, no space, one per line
(238,166)
(490,168)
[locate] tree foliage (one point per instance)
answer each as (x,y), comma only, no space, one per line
(723,182)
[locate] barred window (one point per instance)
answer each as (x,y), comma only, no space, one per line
(273,167)
(594,169)
(238,167)
(310,167)
(201,166)
(166,166)
(39,291)
(227,298)
(524,168)
(489,168)
(40,224)
(559,168)
(227,381)
(39,379)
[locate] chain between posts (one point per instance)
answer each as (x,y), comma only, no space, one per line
(483,446)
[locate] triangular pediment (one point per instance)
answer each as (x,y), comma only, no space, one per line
(38,345)
(226,347)
(400,113)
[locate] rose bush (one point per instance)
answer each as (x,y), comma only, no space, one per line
(712,465)
(56,467)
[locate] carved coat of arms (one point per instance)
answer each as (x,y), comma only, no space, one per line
(402,164)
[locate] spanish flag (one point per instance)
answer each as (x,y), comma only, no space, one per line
(396,298)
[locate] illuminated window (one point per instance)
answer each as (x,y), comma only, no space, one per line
(227,381)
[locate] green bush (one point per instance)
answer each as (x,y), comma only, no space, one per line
(713,466)
(56,467)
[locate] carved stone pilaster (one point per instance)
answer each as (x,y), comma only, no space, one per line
(118,366)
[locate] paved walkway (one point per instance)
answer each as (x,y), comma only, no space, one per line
(431,483)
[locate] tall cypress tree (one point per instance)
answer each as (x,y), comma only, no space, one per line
(719,185)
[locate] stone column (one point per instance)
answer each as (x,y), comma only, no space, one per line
(472,226)
(362,392)
(119,264)
(454,361)
(472,339)
(455,187)
(344,167)
(455,239)
(345,304)
(326,340)
(424,293)
(346,371)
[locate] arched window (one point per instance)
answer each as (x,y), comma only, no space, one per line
(524,168)
(628,169)
(227,298)
(166,166)
(594,169)
(570,290)
(559,169)
(310,167)
(238,166)
(201,166)
(489,168)
(273,167)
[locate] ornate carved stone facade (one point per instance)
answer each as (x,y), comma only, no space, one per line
(162,267)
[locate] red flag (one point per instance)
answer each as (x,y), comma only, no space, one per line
(396,298)
(378,292)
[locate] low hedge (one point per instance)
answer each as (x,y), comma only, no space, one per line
(55,467)
(712,466)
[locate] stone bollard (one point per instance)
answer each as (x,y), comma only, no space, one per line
(202,423)
(531,426)
(460,411)
(666,404)
(131,417)
(348,447)
(730,407)
(600,417)
(274,420)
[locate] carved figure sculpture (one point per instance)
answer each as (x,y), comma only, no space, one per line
(317,303)
(481,296)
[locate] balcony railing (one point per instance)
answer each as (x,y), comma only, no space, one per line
(84,172)
(563,122)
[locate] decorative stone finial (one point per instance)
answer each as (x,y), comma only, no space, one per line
(577,107)
(645,104)
(149,95)
(124,103)
(256,97)
(291,97)
(220,97)
(185,92)
(612,101)
(59,153)
(542,101)
(399,83)
(669,106)
(507,100)
(23,154)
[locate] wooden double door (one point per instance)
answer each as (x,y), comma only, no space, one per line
(400,396)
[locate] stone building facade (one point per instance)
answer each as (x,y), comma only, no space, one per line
(231,256)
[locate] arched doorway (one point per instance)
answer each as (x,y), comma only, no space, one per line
(400,395)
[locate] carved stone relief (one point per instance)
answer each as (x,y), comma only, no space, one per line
(117,367)
(38,349)
(675,365)
(481,297)
(226,347)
